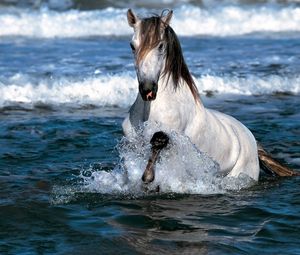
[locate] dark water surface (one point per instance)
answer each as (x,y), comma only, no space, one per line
(43,211)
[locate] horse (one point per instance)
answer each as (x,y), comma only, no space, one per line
(168,96)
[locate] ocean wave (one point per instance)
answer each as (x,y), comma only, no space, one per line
(116,90)
(121,89)
(251,85)
(188,21)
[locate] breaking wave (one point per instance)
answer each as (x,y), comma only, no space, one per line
(121,89)
(188,21)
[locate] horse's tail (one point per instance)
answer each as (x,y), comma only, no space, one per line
(272,166)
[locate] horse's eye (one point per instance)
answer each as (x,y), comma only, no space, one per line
(132,47)
(160,46)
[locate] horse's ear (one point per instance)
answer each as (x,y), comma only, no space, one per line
(166,18)
(131,18)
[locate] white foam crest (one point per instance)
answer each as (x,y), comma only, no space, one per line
(251,85)
(107,90)
(188,20)
(47,23)
(121,89)
(181,169)
(235,20)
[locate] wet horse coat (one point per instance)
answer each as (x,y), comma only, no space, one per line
(168,98)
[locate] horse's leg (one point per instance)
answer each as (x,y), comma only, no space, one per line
(158,141)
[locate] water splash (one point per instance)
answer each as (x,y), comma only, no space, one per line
(181,169)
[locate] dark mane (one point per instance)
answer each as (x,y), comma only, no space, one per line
(175,63)
(175,67)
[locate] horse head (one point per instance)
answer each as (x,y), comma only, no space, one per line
(149,46)
(158,54)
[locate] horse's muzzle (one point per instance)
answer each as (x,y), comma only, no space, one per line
(148,90)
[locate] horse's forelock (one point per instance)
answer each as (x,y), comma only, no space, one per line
(149,35)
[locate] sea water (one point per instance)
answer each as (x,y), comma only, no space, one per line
(71,183)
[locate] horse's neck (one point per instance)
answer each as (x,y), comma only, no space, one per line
(175,98)
(139,111)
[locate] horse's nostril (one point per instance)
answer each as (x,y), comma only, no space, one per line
(149,95)
(148,90)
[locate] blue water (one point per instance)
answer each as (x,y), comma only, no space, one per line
(62,102)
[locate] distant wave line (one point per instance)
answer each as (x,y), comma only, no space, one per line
(188,21)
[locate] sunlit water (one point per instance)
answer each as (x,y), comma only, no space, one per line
(71,184)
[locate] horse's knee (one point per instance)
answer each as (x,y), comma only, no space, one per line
(159,140)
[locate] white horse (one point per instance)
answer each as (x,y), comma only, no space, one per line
(169,98)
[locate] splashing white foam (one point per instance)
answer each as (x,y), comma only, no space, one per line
(188,20)
(182,168)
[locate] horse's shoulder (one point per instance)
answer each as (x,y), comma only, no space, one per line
(223,117)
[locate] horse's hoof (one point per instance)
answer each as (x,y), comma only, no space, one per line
(159,140)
